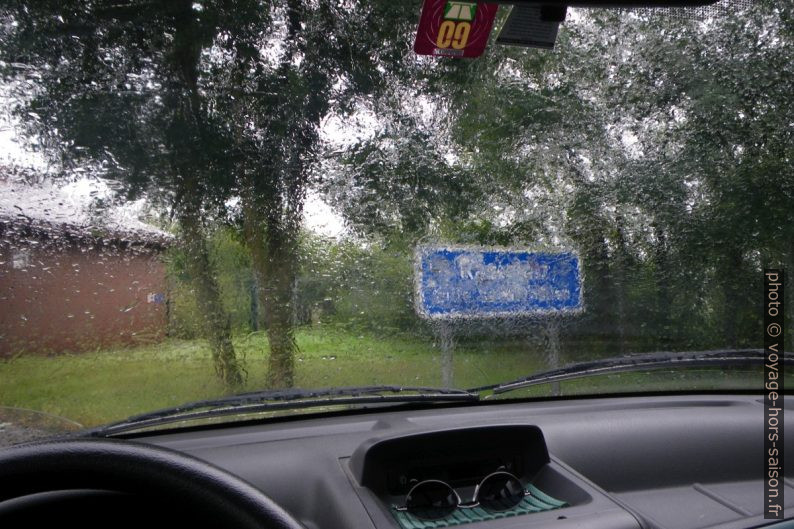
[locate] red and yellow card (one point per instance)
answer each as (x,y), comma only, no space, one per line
(450,28)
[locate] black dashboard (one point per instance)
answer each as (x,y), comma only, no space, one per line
(687,461)
(660,462)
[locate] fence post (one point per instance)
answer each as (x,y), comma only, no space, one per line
(553,334)
(447,345)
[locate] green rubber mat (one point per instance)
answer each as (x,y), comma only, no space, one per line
(538,501)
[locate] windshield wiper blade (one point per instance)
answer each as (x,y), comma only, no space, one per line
(638,362)
(284,399)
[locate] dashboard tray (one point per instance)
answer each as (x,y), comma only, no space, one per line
(537,501)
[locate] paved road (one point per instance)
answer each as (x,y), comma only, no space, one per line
(11,434)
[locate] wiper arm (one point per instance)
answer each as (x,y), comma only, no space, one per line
(638,362)
(270,400)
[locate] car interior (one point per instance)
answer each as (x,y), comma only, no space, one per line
(661,461)
(645,459)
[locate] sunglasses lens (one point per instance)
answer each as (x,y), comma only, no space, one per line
(431,500)
(500,492)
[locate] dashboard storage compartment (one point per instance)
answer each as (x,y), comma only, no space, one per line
(460,457)
(536,501)
(384,469)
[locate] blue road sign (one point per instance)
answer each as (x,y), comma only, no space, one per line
(466,282)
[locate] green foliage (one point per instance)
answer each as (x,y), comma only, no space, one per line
(344,284)
(234,277)
(659,148)
(339,284)
(193,103)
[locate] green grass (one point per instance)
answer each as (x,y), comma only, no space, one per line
(98,387)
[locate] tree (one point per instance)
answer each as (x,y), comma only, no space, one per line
(331,55)
(717,144)
(116,86)
(489,163)
(203,102)
(659,147)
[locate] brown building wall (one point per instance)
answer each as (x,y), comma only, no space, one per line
(79,298)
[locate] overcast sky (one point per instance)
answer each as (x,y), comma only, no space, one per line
(69,202)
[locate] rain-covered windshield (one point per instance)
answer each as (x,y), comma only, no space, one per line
(201,198)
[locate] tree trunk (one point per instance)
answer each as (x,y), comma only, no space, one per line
(217,326)
(276,271)
(273,249)
(190,166)
(275,186)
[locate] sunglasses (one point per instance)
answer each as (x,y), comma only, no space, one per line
(433,499)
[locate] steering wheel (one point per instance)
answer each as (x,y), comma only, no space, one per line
(122,466)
